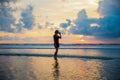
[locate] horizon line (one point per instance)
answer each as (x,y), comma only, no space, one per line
(62,43)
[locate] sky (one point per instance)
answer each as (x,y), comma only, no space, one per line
(79,21)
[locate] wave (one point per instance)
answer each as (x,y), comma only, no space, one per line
(60,56)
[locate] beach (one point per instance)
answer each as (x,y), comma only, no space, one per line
(80,63)
(59,39)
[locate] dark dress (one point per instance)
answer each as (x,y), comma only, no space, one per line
(56,41)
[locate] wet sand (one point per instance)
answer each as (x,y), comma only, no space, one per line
(48,68)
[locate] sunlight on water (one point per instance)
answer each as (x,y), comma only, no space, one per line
(38,68)
(34,68)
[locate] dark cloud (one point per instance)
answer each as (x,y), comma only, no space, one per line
(4,1)
(109,7)
(65,25)
(109,24)
(18,27)
(6,19)
(82,24)
(107,27)
(27,17)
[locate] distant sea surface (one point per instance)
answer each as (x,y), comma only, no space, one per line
(62,46)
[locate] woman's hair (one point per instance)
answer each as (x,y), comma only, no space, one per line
(56,31)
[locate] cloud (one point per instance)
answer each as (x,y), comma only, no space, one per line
(40,26)
(17,38)
(82,24)
(47,24)
(109,7)
(108,26)
(5,38)
(6,19)
(65,25)
(27,17)
(9,38)
(4,1)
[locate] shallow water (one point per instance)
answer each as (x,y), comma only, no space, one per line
(71,64)
(67,53)
(46,68)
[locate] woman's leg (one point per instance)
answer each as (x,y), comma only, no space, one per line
(56,51)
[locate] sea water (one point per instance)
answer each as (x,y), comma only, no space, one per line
(74,62)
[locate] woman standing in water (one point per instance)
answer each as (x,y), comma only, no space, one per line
(56,38)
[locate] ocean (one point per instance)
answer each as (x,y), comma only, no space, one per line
(74,62)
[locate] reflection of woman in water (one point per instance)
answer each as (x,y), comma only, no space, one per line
(56,37)
(56,70)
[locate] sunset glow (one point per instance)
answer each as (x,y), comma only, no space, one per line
(79,21)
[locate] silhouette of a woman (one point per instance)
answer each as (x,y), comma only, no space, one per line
(56,38)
